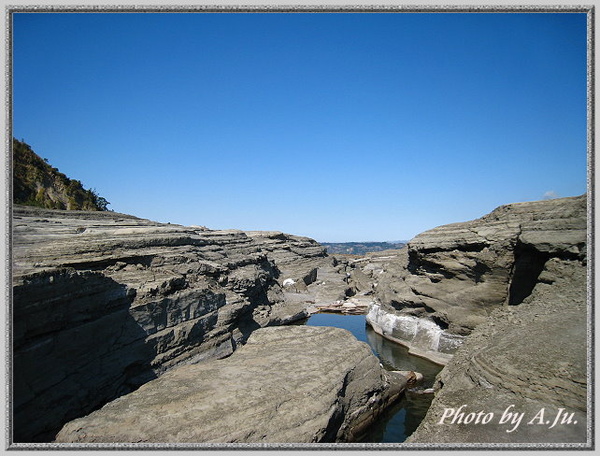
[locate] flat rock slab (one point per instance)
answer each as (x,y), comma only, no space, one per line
(290,384)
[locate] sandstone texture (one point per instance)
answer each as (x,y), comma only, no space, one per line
(527,360)
(448,280)
(104,302)
(343,284)
(328,388)
(297,257)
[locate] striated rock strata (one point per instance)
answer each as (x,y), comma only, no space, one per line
(450,279)
(526,363)
(330,388)
(104,302)
(297,257)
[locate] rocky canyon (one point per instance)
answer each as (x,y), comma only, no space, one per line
(128,330)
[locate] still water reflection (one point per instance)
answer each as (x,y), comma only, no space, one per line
(401,420)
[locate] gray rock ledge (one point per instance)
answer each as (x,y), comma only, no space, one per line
(103,302)
(528,360)
(286,385)
(448,280)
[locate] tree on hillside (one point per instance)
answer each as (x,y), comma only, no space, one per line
(37,183)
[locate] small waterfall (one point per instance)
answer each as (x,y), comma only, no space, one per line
(415,331)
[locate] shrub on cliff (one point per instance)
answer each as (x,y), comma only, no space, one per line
(36,183)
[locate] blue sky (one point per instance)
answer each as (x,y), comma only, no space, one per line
(341,127)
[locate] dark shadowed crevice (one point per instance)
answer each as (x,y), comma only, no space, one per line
(528,265)
(337,417)
(441,321)
(479,271)
(419,264)
(464,247)
(76,347)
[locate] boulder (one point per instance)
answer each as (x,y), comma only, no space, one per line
(296,384)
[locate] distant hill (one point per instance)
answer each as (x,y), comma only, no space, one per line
(36,183)
(360,248)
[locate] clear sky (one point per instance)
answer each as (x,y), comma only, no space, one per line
(341,127)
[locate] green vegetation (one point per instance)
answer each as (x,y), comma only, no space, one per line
(36,183)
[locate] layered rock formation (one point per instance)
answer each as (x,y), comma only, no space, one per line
(449,279)
(507,294)
(329,388)
(525,368)
(104,302)
(297,257)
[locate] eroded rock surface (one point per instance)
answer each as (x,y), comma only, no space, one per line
(341,284)
(329,388)
(449,279)
(297,257)
(104,302)
(528,361)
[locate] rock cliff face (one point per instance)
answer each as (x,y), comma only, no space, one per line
(514,282)
(526,363)
(449,279)
(104,302)
(297,257)
(329,388)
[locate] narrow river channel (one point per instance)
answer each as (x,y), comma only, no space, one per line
(402,420)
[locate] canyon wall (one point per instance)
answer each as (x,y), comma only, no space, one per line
(104,302)
(448,280)
(502,301)
(525,368)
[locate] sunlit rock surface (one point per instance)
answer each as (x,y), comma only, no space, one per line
(296,384)
(104,302)
(449,279)
(424,336)
(526,363)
